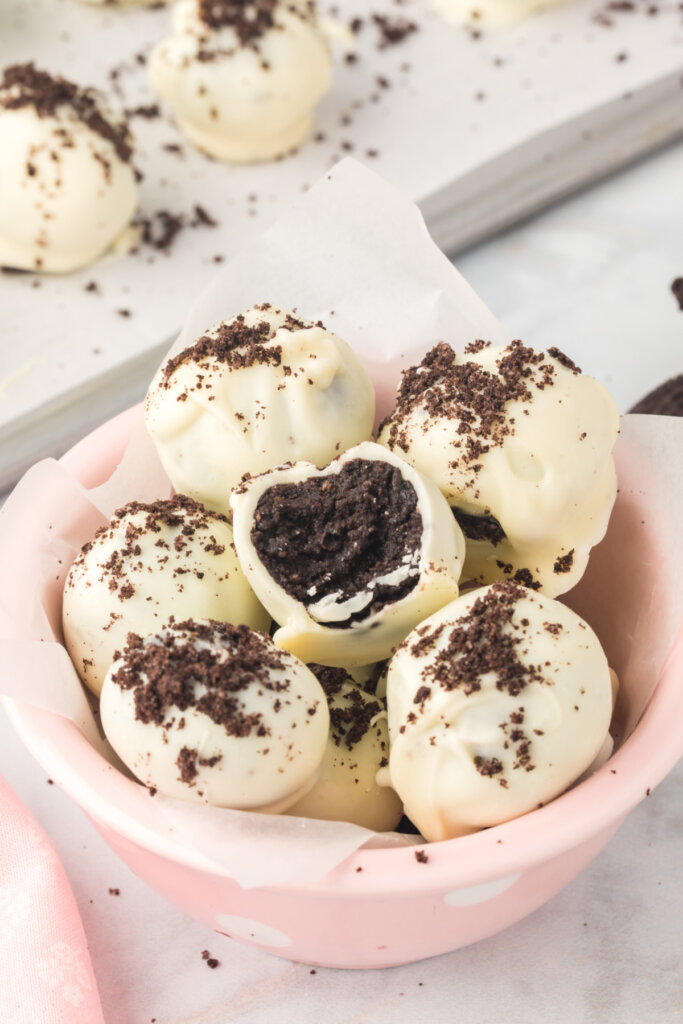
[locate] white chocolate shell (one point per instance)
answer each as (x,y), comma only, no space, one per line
(542,467)
(497,704)
(243,101)
(217,714)
(308,628)
(357,748)
(170,558)
(297,392)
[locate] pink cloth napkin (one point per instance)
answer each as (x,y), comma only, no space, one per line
(46,976)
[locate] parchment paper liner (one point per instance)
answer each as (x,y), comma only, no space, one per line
(354,253)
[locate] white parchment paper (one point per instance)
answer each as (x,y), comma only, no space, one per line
(355,253)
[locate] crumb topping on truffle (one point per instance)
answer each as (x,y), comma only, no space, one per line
(165,671)
(23,85)
(250,19)
(474,396)
(236,345)
(179,512)
(487,640)
(351,719)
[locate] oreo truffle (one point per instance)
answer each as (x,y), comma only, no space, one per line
(520,443)
(349,558)
(68,187)
(243,79)
(497,703)
(357,749)
(217,714)
(265,388)
(150,563)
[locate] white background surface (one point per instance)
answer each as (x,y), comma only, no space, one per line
(461,104)
(592,276)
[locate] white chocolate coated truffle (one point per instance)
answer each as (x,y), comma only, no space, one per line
(262,389)
(243,79)
(520,442)
(497,704)
(67,185)
(170,558)
(357,747)
(349,558)
(216,714)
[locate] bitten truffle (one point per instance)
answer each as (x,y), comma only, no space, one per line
(243,78)
(349,558)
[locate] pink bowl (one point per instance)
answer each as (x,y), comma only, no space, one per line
(381,907)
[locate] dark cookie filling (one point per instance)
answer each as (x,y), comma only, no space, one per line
(164,673)
(23,85)
(335,535)
(479,527)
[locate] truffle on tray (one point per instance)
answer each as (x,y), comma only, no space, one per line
(243,79)
(68,187)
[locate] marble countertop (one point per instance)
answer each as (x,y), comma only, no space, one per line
(592,276)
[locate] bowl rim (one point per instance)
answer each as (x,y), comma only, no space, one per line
(581,813)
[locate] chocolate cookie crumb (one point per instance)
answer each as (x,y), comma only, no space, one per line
(187,765)
(563,563)
(485,527)
(486,640)
(209,960)
(392,30)
(23,85)
(164,674)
